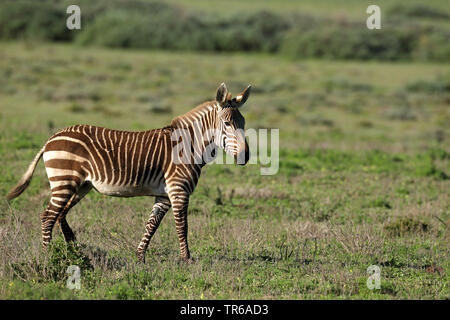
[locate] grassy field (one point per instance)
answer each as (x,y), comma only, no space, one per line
(363,178)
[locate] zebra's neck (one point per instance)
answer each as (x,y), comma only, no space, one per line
(205,112)
(200,124)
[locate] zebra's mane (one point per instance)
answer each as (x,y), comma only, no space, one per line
(185,120)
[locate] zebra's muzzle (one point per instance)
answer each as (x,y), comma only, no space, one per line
(243,157)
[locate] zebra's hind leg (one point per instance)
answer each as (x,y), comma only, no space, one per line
(60,200)
(160,208)
(65,228)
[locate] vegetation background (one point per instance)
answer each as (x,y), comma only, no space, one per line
(364,154)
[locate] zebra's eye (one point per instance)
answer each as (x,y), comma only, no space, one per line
(227,123)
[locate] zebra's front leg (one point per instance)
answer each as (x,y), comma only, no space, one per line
(180,202)
(160,208)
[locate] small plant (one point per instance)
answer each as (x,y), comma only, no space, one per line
(405,225)
(77,108)
(427,168)
(380,203)
(402,113)
(60,256)
(428,86)
(160,109)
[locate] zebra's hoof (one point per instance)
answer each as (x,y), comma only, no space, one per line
(141,258)
(188,260)
(71,238)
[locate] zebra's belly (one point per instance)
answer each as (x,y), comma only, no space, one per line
(130,190)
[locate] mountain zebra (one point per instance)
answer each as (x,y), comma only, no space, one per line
(128,164)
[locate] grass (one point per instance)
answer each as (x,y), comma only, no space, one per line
(363,178)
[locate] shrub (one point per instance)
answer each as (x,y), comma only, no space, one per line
(418,11)
(404,225)
(61,255)
(153,24)
(261,31)
(433,46)
(31,19)
(349,42)
(164,29)
(400,112)
(429,86)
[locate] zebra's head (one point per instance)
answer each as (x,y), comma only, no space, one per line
(230,124)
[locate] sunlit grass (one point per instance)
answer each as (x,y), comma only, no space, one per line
(363,178)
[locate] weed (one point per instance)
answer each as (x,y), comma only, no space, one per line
(402,226)
(61,255)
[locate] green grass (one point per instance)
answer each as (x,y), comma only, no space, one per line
(363,178)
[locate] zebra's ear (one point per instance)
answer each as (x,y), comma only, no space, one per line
(242,97)
(222,95)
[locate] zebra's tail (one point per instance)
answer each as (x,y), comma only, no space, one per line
(26,178)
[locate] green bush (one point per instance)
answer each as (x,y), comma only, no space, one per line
(167,28)
(429,86)
(31,19)
(350,42)
(171,28)
(433,46)
(261,31)
(158,25)
(418,11)
(61,255)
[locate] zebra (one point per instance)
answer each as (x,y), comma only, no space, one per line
(80,158)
